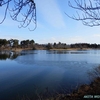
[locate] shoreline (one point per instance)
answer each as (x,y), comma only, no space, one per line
(54,49)
(15,49)
(90,91)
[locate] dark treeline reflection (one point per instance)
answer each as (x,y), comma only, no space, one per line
(66,52)
(8,55)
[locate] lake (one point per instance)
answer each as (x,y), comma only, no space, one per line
(44,72)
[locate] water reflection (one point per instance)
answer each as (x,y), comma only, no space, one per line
(27,52)
(67,52)
(47,56)
(8,55)
(49,70)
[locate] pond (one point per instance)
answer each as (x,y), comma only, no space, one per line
(35,72)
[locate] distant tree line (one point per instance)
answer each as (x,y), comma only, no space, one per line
(57,46)
(76,45)
(14,43)
(27,43)
(85,45)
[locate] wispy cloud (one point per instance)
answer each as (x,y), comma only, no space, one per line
(76,39)
(96,35)
(51,13)
(68,40)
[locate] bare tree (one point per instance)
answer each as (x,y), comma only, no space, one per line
(88,11)
(23,11)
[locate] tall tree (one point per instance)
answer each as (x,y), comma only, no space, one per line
(32,43)
(87,11)
(3,42)
(11,42)
(15,43)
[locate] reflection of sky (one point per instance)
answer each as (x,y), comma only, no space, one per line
(45,70)
(42,73)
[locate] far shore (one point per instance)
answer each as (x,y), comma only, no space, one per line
(54,49)
(15,49)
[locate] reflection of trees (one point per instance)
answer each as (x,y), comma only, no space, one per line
(26,57)
(14,56)
(5,56)
(57,52)
(66,52)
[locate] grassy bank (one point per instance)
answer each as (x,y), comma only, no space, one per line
(90,91)
(42,48)
(15,49)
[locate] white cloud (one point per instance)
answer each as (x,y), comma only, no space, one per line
(71,39)
(68,40)
(76,39)
(47,40)
(51,12)
(96,35)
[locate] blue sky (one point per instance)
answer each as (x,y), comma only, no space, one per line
(52,26)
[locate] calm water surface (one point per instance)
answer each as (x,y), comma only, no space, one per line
(40,70)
